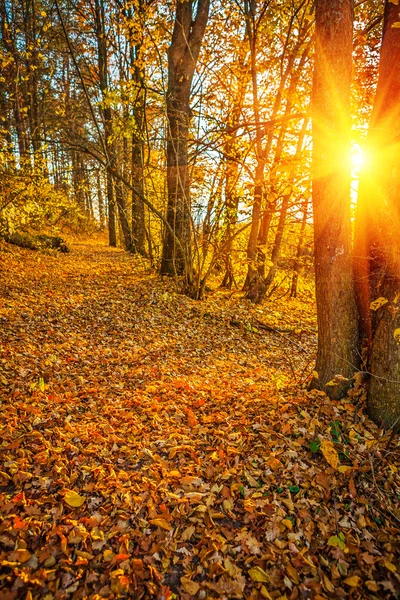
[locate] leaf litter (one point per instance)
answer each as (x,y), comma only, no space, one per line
(157,447)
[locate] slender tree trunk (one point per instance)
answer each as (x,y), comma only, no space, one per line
(276,250)
(107,116)
(139,112)
(299,250)
(254,283)
(100,200)
(112,226)
(336,312)
(377,245)
(182,58)
(123,218)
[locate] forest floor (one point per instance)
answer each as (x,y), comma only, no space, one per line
(152,446)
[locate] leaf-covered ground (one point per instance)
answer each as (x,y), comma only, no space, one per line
(157,447)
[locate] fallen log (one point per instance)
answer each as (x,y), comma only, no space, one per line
(37,242)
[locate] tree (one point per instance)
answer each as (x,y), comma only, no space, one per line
(377,244)
(336,309)
(183,53)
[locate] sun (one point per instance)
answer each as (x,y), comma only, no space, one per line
(357,157)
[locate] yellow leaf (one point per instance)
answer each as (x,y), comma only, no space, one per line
(353,581)
(330,454)
(396,335)
(390,566)
(291,571)
(161,523)
(232,569)
(108,555)
(372,586)
(190,587)
(345,469)
(265,593)
(174,473)
(328,584)
(84,554)
(151,389)
(337,542)
(395,25)
(258,574)
(74,499)
(287,523)
(379,301)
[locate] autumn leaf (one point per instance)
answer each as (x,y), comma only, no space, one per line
(330,453)
(190,587)
(73,499)
(353,581)
(258,574)
(161,523)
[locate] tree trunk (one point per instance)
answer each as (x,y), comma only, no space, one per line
(135,26)
(377,245)
(107,118)
(336,312)
(299,250)
(276,250)
(182,58)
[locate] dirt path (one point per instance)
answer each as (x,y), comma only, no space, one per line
(153,445)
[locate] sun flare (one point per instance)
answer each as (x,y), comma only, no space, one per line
(357,157)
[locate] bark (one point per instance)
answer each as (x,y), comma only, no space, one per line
(377,245)
(107,116)
(100,201)
(123,218)
(299,250)
(336,312)
(182,59)
(138,138)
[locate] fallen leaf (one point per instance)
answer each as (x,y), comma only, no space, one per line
(258,574)
(330,453)
(74,499)
(353,581)
(190,587)
(161,523)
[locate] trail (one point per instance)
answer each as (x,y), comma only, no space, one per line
(153,445)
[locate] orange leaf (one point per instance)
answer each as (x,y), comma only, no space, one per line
(352,488)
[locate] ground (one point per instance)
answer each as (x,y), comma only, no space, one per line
(153,446)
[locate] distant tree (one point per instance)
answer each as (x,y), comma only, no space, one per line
(336,310)
(377,239)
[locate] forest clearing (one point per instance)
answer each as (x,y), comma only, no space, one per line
(158,447)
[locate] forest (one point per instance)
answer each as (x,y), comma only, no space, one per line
(199,299)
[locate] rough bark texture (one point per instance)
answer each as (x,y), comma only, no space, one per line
(182,58)
(337,320)
(377,245)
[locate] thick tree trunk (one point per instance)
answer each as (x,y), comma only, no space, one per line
(377,245)
(337,318)
(182,58)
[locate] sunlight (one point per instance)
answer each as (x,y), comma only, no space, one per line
(357,157)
